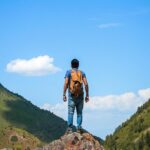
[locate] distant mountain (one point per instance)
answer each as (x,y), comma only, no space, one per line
(24,125)
(134,134)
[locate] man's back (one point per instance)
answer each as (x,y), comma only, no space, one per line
(75,76)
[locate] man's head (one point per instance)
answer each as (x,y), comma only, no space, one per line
(75,63)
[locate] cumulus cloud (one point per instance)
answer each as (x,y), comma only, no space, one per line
(59,109)
(108,25)
(37,66)
(102,114)
(144,93)
(123,102)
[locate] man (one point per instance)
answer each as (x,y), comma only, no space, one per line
(74,80)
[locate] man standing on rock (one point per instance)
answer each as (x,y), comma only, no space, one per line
(74,80)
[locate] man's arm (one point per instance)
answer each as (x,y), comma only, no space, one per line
(86,89)
(65,89)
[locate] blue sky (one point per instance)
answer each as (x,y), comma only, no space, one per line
(110,38)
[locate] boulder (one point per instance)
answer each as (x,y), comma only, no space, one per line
(74,141)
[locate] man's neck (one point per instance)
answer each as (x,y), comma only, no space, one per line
(75,68)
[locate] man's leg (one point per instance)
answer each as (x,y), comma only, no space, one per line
(79,108)
(71,107)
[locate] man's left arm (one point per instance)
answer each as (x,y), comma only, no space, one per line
(86,89)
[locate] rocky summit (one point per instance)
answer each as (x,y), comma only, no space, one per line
(74,141)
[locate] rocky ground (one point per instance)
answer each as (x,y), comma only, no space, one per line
(74,141)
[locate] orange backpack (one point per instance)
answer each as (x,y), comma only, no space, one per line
(75,87)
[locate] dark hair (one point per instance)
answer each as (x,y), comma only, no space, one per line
(75,63)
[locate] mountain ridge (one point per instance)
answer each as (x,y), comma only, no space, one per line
(18,116)
(133,133)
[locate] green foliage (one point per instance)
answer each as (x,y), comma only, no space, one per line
(14,138)
(16,111)
(132,134)
(28,148)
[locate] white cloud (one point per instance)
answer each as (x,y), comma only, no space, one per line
(102,114)
(123,102)
(144,93)
(108,25)
(59,109)
(37,66)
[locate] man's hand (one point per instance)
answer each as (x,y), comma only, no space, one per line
(64,98)
(86,99)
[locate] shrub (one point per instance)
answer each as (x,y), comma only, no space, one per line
(14,138)
(28,148)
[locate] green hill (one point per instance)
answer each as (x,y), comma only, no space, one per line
(134,134)
(24,125)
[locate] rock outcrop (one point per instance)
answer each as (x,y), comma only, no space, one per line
(74,141)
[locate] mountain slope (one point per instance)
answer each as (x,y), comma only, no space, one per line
(21,122)
(132,134)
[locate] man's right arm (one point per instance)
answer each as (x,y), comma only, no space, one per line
(65,89)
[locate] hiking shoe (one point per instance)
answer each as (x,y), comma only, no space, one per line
(79,130)
(69,130)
